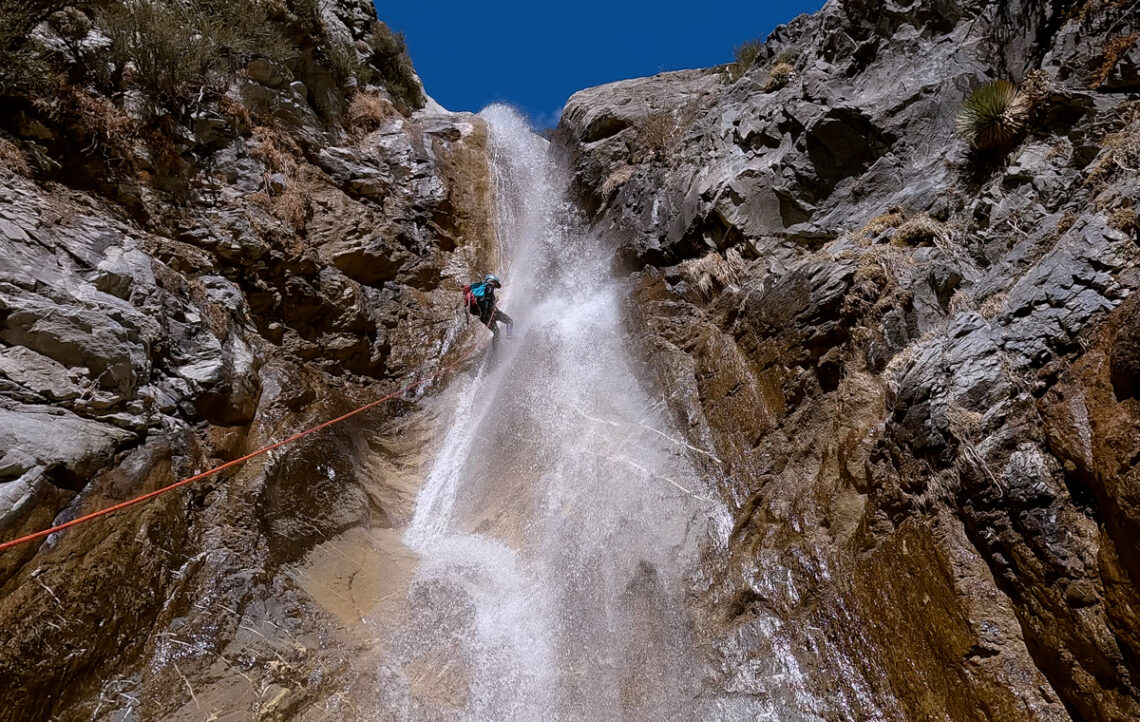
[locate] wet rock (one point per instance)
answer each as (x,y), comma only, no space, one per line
(1124,359)
(372,261)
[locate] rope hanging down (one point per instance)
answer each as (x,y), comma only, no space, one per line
(229,464)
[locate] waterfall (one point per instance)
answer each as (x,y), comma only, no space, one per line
(561,517)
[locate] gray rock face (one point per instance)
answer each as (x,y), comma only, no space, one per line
(284,270)
(875,391)
(130,358)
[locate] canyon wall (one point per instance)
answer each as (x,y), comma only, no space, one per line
(916,364)
(912,368)
(181,287)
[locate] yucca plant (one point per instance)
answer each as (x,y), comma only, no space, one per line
(993,116)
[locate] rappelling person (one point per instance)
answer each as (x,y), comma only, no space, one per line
(479,300)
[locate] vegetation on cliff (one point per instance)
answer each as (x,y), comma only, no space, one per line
(109,88)
(993,116)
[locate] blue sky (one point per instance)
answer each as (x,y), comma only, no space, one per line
(535,55)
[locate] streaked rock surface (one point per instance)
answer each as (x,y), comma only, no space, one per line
(928,522)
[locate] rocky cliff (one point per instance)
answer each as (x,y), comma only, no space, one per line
(197,260)
(915,363)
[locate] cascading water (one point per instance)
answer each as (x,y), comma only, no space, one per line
(561,516)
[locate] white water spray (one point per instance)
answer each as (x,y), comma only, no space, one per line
(561,515)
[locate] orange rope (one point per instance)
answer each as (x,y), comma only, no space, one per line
(197,477)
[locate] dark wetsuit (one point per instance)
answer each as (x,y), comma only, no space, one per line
(489,314)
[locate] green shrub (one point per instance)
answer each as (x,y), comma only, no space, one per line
(745,55)
(390,58)
(308,14)
(993,116)
(180,50)
(23,71)
(160,41)
(72,26)
(345,64)
(786,57)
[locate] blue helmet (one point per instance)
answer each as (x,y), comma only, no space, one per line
(493,280)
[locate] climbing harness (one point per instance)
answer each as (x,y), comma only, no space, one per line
(229,464)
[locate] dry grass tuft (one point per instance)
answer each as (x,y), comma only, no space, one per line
(12,159)
(96,123)
(1035,89)
(276,149)
(660,135)
(885,264)
(875,227)
(962,300)
(778,77)
(1091,8)
(745,55)
(964,424)
(236,113)
(900,363)
(616,180)
(281,154)
(1125,220)
(920,230)
(1120,151)
(993,305)
(714,272)
(1113,49)
(367,113)
(291,205)
(1066,223)
(159,142)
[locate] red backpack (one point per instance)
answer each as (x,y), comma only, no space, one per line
(470,302)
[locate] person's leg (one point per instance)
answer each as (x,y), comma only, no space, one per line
(486,314)
(506,320)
